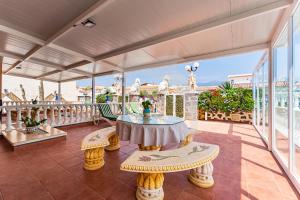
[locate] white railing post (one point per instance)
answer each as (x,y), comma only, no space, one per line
(71,114)
(81,112)
(59,115)
(65,114)
(92,111)
(37,117)
(29,112)
(76,113)
(86,112)
(52,116)
(8,122)
(45,116)
(19,118)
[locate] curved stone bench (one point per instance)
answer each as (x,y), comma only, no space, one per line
(94,143)
(151,165)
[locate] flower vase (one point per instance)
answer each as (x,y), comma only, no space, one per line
(146,113)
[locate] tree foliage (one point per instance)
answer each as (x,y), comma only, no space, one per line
(226,99)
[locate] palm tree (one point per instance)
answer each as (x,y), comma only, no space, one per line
(226,86)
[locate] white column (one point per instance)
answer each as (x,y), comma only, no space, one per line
(93,90)
(271,98)
(37,117)
(123,93)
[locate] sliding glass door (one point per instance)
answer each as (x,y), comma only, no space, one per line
(296,95)
(281,133)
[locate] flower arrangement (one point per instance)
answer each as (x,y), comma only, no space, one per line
(146,105)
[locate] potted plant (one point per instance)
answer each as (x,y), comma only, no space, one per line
(146,105)
(31,123)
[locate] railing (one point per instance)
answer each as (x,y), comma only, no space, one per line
(18,103)
(56,114)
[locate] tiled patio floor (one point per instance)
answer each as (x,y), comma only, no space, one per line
(53,169)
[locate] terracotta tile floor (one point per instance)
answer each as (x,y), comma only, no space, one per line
(53,169)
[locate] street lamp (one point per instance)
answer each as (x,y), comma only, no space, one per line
(192,68)
(192,78)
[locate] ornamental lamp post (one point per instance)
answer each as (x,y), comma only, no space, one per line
(192,79)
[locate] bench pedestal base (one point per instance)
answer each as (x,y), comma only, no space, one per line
(202,176)
(114,143)
(93,158)
(149,148)
(149,186)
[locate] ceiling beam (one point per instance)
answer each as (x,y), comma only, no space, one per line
(27,76)
(69,67)
(113,66)
(84,15)
(196,28)
(45,63)
(230,52)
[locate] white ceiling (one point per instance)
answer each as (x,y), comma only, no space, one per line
(40,37)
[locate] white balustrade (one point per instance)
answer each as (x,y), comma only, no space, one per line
(60,114)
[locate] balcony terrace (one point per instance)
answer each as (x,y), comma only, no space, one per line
(245,169)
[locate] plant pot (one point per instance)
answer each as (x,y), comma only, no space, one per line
(31,129)
(146,113)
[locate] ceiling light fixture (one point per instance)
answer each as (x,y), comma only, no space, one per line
(89,23)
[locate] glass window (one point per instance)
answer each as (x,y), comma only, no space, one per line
(281,143)
(296,91)
(266,99)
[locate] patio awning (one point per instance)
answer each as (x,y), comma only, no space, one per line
(46,39)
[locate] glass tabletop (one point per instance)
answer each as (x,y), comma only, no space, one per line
(153,120)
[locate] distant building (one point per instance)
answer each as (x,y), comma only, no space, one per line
(241,80)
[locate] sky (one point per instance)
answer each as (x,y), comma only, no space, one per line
(209,72)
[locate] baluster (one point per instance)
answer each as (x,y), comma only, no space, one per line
(45,116)
(19,118)
(81,113)
(92,111)
(29,112)
(59,115)
(65,114)
(52,116)
(8,122)
(86,112)
(37,117)
(76,113)
(71,114)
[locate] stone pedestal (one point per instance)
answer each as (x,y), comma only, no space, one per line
(191,105)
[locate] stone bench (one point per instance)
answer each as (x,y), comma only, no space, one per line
(94,144)
(151,166)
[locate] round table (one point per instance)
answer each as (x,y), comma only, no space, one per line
(151,133)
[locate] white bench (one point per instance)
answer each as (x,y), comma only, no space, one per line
(94,143)
(151,165)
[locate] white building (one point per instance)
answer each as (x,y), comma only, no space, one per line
(240,79)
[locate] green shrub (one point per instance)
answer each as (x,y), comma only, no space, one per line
(226,99)
(101,98)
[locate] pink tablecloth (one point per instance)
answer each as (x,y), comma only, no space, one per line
(151,134)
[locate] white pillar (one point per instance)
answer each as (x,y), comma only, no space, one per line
(123,93)
(93,90)
(271,103)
